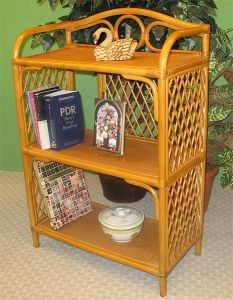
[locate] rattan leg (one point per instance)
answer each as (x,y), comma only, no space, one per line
(35,239)
(163,286)
(30,201)
(198,247)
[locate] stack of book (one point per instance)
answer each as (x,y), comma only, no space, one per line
(64,192)
(57,117)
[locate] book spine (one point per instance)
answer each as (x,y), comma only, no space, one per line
(50,123)
(30,110)
(123,128)
(44,134)
(42,122)
(34,116)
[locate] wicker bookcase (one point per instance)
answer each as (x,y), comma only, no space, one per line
(165,136)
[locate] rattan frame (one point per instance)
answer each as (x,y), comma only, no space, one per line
(174,123)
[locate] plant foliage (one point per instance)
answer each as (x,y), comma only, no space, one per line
(220,127)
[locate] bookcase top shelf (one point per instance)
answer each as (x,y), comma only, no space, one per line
(81,57)
(158,63)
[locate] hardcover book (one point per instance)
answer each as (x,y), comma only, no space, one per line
(33,110)
(109,123)
(41,117)
(65,119)
(64,191)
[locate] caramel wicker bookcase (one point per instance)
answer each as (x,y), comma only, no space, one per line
(165,136)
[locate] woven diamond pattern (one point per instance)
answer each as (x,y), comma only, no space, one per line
(138,95)
(184,199)
(185,118)
(36,78)
(41,211)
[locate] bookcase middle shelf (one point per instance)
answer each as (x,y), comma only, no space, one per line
(136,164)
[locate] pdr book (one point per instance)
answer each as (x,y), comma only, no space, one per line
(65,119)
(109,123)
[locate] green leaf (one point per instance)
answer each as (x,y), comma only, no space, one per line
(218,113)
(59,38)
(47,41)
(63,3)
(72,3)
(225,156)
(221,92)
(219,69)
(97,5)
(177,10)
(52,3)
(226,176)
(210,3)
(225,130)
(198,11)
(41,1)
(212,11)
(64,18)
(36,40)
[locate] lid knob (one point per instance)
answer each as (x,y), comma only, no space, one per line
(121,212)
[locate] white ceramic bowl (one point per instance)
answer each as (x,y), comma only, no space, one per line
(121,223)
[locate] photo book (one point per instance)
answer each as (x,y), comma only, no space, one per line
(109,125)
(64,192)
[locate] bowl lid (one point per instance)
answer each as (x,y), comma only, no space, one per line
(121,217)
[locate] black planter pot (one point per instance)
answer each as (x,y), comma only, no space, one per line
(117,190)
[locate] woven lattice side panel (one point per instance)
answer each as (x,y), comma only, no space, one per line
(33,79)
(186,104)
(40,209)
(184,204)
(140,120)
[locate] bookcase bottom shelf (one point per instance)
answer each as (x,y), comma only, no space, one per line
(86,233)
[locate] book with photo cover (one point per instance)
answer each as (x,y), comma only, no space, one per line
(64,115)
(64,191)
(109,125)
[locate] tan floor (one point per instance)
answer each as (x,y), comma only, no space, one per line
(58,271)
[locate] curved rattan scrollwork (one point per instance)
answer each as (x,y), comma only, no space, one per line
(97,22)
(150,27)
(138,21)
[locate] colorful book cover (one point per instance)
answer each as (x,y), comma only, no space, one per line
(109,123)
(65,119)
(64,191)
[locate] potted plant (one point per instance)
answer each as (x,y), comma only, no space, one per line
(220,127)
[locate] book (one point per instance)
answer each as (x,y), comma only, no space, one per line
(65,119)
(40,117)
(64,192)
(109,123)
(32,108)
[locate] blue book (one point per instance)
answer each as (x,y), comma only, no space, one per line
(64,116)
